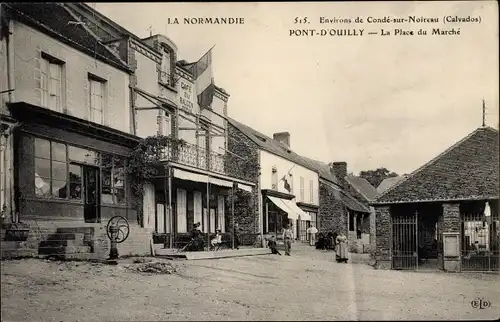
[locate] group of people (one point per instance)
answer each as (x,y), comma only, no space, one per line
(197,242)
(287,240)
(329,241)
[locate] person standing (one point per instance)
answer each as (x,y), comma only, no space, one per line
(287,239)
(341,249)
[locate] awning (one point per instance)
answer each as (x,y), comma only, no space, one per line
(303,215)
(290,208)
(245,187)
(190,176)
(203,178)
(220,182)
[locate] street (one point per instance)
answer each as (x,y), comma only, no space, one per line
(309,285)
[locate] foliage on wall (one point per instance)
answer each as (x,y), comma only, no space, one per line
(143,164)
(242,160)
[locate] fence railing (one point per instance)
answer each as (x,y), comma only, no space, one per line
(195,156)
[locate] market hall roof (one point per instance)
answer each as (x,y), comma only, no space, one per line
(468,170)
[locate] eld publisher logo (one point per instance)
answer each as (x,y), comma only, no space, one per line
(480,304)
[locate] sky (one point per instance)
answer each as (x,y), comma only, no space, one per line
(371,101)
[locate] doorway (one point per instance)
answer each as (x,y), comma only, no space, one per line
(91,204)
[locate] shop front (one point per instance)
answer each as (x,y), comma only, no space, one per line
(184,197)
(69,169)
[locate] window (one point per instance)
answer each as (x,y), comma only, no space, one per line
(314,219)
(221,215)
(181,211)
(311,191)
(164,123)
(113,180)
(51,85)
(302,189)
(51,169)
(274,178)
(165,69)
(97,101)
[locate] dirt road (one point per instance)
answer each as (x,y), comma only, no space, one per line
(306,286)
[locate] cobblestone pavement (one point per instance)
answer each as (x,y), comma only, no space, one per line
(309,285)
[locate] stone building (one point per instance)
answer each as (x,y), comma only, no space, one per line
(193,183)
(343,206)
(287,185)
(67,123)
(81,94)
(444,215)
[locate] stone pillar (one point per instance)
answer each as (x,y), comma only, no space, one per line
(451,237)
(383,233)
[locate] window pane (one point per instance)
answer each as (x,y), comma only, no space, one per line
(55,87)
(58,152)
(59,170)
(119,196)
(83,155)
(42,148)
(42,168)
(75,179)
(75,190)
(42,186)
(75,173)
(59,189)
(55,71)
(118,173)
(96,116)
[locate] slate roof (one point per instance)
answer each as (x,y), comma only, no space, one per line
(53,18)
(467,170)
(387,183)
(363,187)
(349,201)
(323,170)
(273,146)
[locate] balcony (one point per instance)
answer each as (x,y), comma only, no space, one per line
(195,156)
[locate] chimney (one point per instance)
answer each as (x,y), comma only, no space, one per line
(339,170)
(283,137)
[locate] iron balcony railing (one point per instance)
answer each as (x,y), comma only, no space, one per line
(195,156)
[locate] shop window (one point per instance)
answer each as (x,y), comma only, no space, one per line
(75,181)
(113,180)
(51,169)
(313,219)
(83,155)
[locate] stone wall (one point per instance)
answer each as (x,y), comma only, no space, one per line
(243,162)
(332,213)
(383,233)
(451,217)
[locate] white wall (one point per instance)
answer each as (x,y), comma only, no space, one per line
(28,47)
(186,101)
(268,160)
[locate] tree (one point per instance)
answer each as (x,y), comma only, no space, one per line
(375,177)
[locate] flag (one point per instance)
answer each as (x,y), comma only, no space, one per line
(204,80)
(286,184)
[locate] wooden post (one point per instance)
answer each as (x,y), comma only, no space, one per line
(169,184)
(232,215)
(208,212)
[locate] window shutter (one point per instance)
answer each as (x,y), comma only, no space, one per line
(181,211)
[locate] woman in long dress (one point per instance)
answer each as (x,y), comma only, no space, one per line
(341,248)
